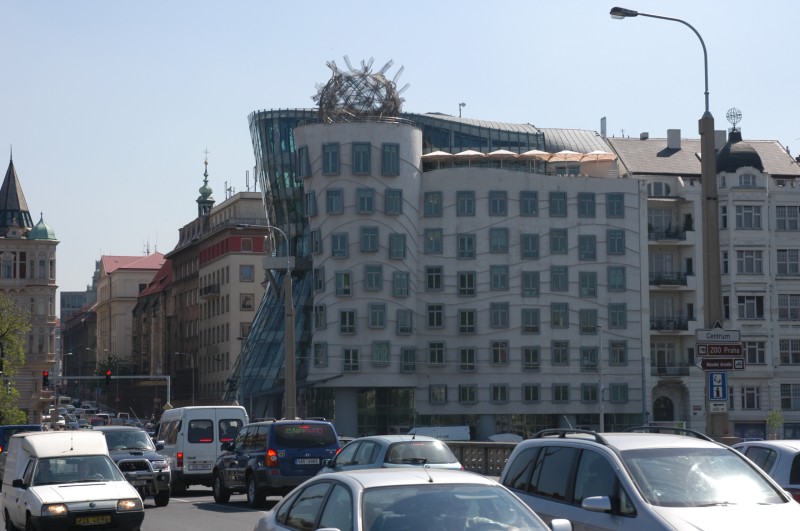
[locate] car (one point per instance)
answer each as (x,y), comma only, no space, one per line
(5,435)
(272,457)
(139,461)
(780,459)
(638,480)
(387,451)
(408,499)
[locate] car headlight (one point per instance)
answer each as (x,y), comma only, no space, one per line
(54,509)
(160,465)
(130,504)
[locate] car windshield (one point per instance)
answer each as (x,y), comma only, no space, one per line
(437,506)
(423,452)
(128,440)
(697,477)
(78,469)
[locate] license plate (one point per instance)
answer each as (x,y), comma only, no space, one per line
(93,520)
(200,467)
(138,482)
(314,461)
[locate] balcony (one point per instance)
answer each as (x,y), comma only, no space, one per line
(209,292)
(666,234)
(669,323)
(668,279)
(673,369)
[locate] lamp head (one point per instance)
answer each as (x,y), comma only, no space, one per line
(621,12)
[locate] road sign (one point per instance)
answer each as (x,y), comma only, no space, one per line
(719,349)
(721,364)
(717,407)
(718,386)
(718,335)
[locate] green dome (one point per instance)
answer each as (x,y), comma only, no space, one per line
(42,231)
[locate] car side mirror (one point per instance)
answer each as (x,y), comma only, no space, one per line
(226,446)
(19,484)
(326,462)
(159,446)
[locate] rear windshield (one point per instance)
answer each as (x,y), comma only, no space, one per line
(304,435)
(229,429)
(427,452)
(201,431)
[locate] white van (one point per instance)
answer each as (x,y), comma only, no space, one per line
(192,437)
(60,479)
(443,433)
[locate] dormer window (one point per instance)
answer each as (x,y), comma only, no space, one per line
(658,189)
(748,181)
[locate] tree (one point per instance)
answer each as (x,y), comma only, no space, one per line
(774,421)
(15,324)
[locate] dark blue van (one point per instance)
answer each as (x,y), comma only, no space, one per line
(5,434)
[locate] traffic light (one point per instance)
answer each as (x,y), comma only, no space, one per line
(108,376)
(45,379)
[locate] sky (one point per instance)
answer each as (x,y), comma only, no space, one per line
(110,106)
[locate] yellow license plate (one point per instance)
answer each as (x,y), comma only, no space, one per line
(93,520)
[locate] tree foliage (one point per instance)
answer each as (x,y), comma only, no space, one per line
(15,324)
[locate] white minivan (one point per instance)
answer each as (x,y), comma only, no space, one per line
(192,437)
(66,480)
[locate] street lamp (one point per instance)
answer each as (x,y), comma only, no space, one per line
(461,106)
(600,374)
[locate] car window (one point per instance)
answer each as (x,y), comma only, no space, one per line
(338,511)
(348,454)
(303,435)
(201,431)
(427,452)
(367,453)
(518,472)
(552,472)
(794,473)
(240,438)
(228,429)
(303,512)
(763,457)
(594,477)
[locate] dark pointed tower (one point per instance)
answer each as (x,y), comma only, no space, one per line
(205,202)
(15,218)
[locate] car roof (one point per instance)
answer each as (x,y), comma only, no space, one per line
(381,477)
(395,438)
(287,421)
(623,441)
(789,444)
(118,428)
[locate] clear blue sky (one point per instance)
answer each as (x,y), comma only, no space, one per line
(110,105)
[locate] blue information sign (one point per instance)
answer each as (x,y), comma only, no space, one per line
(718,386)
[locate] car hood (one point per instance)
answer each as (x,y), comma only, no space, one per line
(77,492)
(727,517)
(136,454)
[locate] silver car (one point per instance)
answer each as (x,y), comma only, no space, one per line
(403,499)
(389,451)
(652,481)
(780,459)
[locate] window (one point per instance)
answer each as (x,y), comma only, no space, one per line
(465,203)
(748,217)
(561,393)
(530,283)
(344,283)
(333,201)
(405,322)
(466,359)
(788,307)
(530,359)
(618,393)
(436,353)
(749,262)
(558,204)
(365,200)
(618,315)
(498,241)
(350,358)
(499,393)
(750,398)
(499,277)
(303,162)
(748,181)
(615,242)
(468,394)
(615,205)
(586,205)
(587,247)
(408,359)
(790,397)
(369,239)
(377,314)
(320,317)
(438,394)
(589,393)
(200,431)
(560,350)
(435,315)
(466,246)
(330,159)
(390,163)
(246,302)
(316,241)
(588,284)
(247,273)
(723,217)
(319,279)
(433,204)
(433,241)
(361,158)
(588,321)
(755,352)
(498,203)
(528,204)
(499,352)
(311,204)
(559,315)
(558,241)
(397,246)
(751,307)
(589,359)
(320,354)
(466,283)
(339,245)
(530,320)
(530,393)
(393,201)
(373,277)
(433,278)
(558,278)
(347,322)
(787,217)
(466,321)
(400,283)
(616,278)
(529,246)
(788,262)
(380,353)
(498,314)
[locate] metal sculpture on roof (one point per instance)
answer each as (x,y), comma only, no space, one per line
(359,93)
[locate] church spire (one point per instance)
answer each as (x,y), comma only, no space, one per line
(205,202)
(14,213)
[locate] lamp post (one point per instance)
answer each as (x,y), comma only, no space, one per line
(712,289)
(461,106)
(289,363)
(600,374)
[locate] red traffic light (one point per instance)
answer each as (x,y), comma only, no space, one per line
(108,376)
(45,378)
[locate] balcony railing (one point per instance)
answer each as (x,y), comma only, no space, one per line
(675,369)
(669,323)
(666,234)
(209,292)
(668,279)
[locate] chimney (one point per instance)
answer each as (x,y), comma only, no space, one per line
(603,127)
(674,138)
(644,136)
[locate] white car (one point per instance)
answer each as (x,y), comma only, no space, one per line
(780,459)
(395,499)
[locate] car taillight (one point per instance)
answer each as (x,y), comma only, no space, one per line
(272,459)
(180,459)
